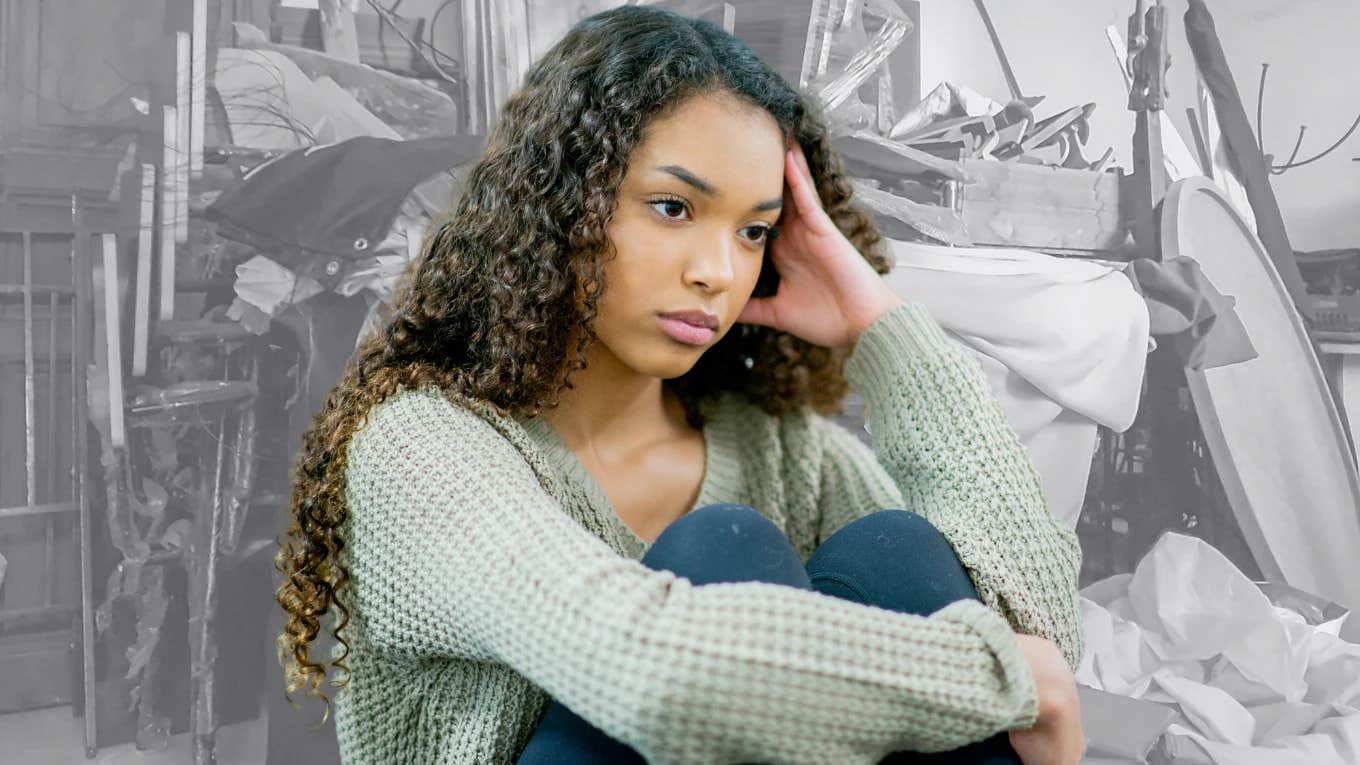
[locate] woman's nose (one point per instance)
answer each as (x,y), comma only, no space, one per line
(711,266)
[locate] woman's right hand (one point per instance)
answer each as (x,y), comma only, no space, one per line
(1056,738)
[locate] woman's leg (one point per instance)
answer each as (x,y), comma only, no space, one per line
(897,560)
(716,543)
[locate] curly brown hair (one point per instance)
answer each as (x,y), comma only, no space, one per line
(511,280)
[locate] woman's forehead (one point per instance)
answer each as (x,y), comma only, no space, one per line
(719,139)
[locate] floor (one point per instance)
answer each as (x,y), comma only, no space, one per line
(54,736)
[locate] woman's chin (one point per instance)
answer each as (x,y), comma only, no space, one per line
(673,362)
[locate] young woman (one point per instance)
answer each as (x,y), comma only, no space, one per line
(580,501)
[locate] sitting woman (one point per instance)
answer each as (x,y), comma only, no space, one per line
(580,500)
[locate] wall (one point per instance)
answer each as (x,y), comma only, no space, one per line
(1059,49)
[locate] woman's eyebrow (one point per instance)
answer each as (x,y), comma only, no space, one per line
(708,189)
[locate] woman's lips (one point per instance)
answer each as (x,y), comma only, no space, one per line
(685,332)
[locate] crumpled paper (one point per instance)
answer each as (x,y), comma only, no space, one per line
(269,286)
(1254,682)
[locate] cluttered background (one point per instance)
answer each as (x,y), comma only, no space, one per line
(1139,216)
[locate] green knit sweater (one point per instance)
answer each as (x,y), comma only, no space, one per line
(489,572)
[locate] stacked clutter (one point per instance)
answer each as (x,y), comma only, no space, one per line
(954,122)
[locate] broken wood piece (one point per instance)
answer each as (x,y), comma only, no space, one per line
(1050,209)
(198,83)
(1046,130)
(1104,161)
(1070,144)
(900,218)
(945,128)
(988,145)
(1013,133)
(947,150)
(141,295)
(168,208)
(113,326)
(840,54)
(888,159)
(1050,154)
(1008,150)
(183,75)
(981,126)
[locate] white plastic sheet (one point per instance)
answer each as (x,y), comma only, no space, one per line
(1253,682)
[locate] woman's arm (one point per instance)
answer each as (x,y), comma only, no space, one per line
(943,442)
(456,550)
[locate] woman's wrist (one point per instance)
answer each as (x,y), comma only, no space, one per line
(881,305)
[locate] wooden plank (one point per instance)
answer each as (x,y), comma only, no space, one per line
(38,289)
(81,354)
(50,488)
(1043,208)
(894,213)
(142,294)
(472,67)
(198,83)
(181,154)
(39,211)
(338,36)
(30,409)
(168,209)
(869,150)
(112,336)
(493,69)
(48,509)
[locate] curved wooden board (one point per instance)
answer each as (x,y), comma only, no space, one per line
(1270,423)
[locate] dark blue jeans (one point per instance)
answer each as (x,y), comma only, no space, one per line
(867,561)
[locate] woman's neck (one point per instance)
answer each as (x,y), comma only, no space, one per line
(616,414)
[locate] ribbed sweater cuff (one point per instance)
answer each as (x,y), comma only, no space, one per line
(873,363)
(1017,678)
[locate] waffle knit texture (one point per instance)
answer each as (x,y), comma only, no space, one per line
(490,573)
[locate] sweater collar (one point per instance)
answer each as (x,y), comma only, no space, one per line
(720,468)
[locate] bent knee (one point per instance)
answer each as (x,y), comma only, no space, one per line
(891,528)
(896,559)
(727,543)
(722,524)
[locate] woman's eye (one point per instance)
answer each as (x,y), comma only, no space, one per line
(669,208)
(756,234)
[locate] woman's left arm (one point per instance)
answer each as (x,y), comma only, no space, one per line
(939,434)
(942,440)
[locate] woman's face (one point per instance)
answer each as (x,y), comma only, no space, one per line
(694,211)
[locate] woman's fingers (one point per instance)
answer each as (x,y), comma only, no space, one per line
(802,160)
(804,191)
(800,187)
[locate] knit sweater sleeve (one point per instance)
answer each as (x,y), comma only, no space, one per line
(457,551)
(940,436)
